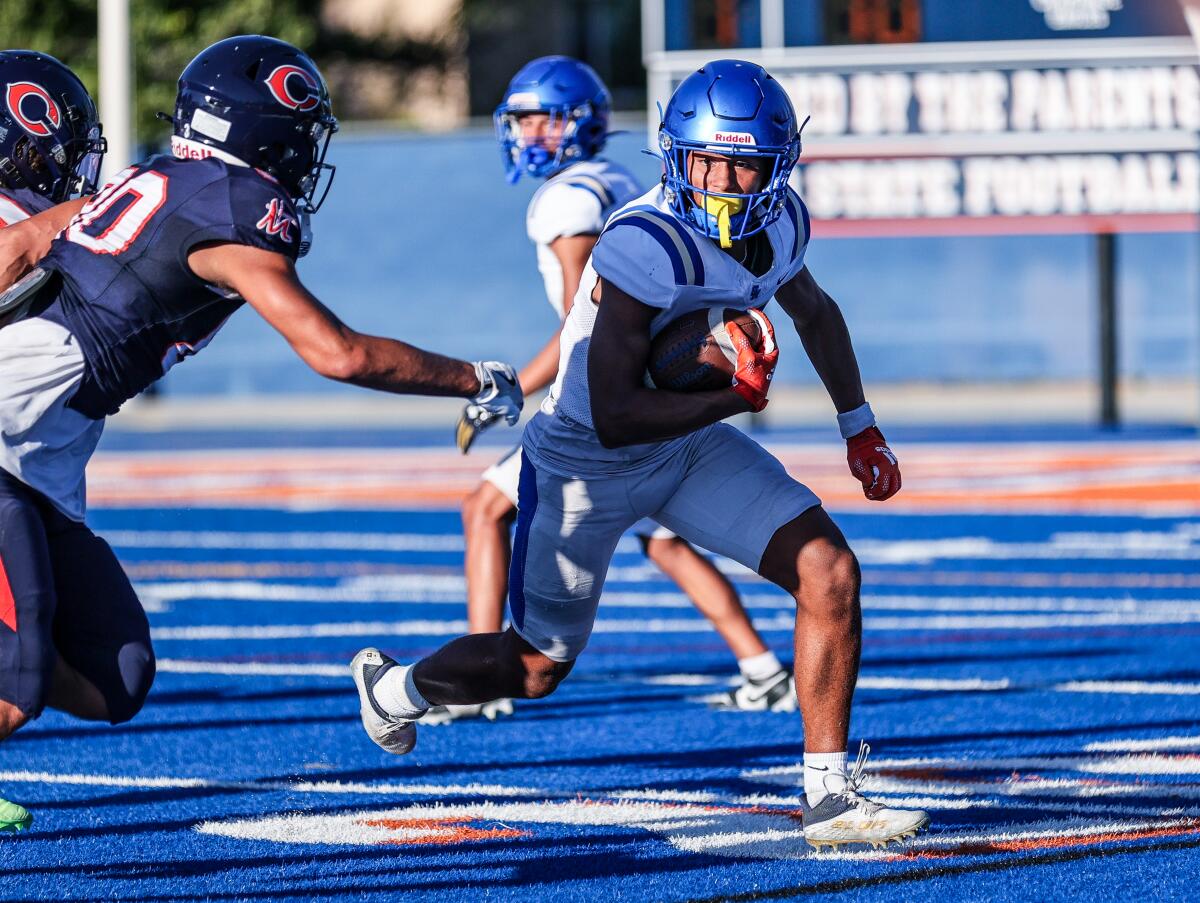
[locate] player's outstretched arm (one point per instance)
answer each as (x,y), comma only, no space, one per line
(826,339)
(23,244)
(269,283)
(624,410)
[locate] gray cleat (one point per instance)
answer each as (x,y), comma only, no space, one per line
(844,816)
(396,735)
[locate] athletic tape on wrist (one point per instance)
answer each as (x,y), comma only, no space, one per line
(854,422)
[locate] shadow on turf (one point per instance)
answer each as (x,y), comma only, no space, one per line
(189,697)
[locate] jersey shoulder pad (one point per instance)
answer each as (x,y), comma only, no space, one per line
(796,214)
(648,254)
(569,205)
(248,207)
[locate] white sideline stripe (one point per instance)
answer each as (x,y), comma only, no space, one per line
(1132,546)
(1033,622)
(1174,545)
(301,669)
(694,624)
(254,539)
(152,783)
(911,683)
(251,669)
(1152,743)
(1129,686)
(1095,764)
(1032,787)
(438,588)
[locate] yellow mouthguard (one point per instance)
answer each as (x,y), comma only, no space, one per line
(722,208)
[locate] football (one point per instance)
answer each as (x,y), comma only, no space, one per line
(694,353)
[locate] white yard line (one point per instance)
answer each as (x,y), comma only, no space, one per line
(1130,686)
(696,624)
(335,787)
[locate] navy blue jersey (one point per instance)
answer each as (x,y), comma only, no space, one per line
(126,292)
(17,204)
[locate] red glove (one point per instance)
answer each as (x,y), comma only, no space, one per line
(873,463)
(755,366)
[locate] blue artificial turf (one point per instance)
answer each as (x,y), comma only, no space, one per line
(117,809)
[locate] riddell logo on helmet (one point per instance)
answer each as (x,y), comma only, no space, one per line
(33,108)
(734,138)
(287,79)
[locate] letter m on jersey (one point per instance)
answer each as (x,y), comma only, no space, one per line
(277,221)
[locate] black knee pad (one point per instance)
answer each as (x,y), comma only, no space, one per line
(125,690)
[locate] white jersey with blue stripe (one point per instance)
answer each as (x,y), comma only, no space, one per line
(648,253)
(575,201)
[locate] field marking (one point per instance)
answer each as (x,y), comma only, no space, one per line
(778,623)
(711,829)
(869,682)
(1130,686)
(251,669)
(1144,743)
(1176,544)
(440,588)
(865,681)
(298,786)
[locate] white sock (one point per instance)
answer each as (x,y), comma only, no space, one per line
(819,766)
(759,667)
(398,695)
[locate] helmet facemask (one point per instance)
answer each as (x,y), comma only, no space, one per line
(574,125)
(725,215)
(319,180)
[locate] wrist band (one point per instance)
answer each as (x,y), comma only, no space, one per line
(854,422)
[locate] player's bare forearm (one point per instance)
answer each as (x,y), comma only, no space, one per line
(624,410)
(268,282)
(23,244)
(389,365)
(540,371)
(652,415)
(822,329)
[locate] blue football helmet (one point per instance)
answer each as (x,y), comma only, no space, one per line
(734,108)
(50,140)
(573,95)
(263,102)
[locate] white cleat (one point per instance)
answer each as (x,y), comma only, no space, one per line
(396,735)
(846,817)
(445,714)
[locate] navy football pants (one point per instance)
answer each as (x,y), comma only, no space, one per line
(62,592)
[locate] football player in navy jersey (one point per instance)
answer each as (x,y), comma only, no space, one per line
(141,278)
(50,152)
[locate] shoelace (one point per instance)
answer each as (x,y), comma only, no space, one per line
(852,792)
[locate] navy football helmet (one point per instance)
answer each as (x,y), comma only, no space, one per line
(734,108)
(263,102)
(571,94)
(50,140)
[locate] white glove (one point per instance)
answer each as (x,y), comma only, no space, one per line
(499,396)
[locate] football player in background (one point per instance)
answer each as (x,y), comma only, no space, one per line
(553,124)
(141,278)
(50,154)
(723,229)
